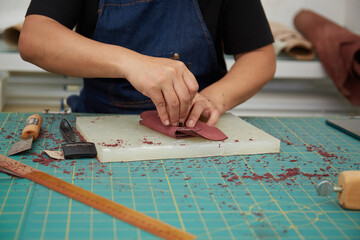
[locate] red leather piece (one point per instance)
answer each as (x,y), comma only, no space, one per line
(152,120)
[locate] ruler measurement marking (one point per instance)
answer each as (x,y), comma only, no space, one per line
(112,198)
(173,196)
(47,212)
(92,209)
(133,198)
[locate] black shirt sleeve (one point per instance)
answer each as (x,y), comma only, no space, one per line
(66,12)
(70,13)
(244,26)
(240,25)
(236,26)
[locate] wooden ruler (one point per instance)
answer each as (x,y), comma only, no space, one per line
(105,205)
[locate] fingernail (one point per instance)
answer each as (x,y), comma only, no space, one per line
(167,122)
(190,123)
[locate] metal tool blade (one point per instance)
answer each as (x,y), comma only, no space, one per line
(20,146)
(10,173)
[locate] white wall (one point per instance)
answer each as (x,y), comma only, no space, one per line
(12,12)
(352,16)
(343,12)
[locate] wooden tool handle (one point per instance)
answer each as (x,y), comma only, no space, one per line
(32,126)
(349,197)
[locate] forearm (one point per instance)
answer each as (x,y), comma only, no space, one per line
(55,48)
(250,72)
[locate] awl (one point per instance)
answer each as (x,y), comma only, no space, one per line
(29,134)
(348,189)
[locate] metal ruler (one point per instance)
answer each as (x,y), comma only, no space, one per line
(105,205)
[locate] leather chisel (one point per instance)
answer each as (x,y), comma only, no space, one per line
(29,134)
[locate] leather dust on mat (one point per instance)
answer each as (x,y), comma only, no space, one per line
(338,50)
(152,120)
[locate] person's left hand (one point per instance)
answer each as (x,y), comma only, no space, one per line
(202,108)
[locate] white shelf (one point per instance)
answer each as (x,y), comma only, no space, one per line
(294,69)
(299,88)
(11,61)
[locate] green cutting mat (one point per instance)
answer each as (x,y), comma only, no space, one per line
(269,196)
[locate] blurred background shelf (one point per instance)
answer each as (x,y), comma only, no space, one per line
(287,67)
(299,88)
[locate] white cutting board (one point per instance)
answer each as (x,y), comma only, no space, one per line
(122,138)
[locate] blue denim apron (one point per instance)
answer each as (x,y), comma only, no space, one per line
(158,28)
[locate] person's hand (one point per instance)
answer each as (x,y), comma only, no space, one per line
(204,109)
(169,84)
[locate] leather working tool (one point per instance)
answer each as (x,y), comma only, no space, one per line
(29,134)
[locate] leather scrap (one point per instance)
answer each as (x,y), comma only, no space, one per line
(338,50)
(295,45)
(151,120)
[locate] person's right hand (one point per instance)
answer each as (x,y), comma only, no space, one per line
(169,84)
